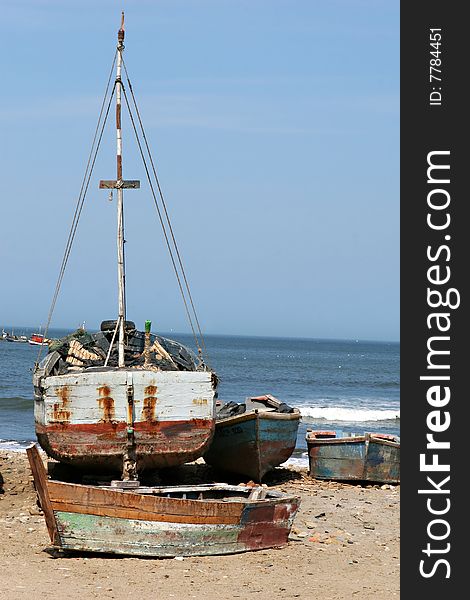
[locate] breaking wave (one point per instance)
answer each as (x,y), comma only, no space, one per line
(13,445)
(350,415)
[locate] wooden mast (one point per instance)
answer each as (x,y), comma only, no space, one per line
(120,216)
(119,184)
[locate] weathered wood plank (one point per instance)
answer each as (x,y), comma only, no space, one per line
(40,481)
(100,497)
(141,515)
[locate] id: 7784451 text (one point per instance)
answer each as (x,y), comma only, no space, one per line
(435,71)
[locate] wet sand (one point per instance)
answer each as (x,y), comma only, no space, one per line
(344,544)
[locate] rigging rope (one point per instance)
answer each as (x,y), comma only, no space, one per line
(81,199)
(161,219)
(163,204)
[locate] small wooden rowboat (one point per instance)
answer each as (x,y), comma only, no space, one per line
(369,457)
(255,441)
(162,521)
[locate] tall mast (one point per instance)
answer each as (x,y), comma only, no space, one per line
(119,184)
(120,215)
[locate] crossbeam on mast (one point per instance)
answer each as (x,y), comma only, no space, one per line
(132,184)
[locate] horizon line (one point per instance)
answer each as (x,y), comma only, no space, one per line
(287,337)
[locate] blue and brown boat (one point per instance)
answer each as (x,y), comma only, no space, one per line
(126,518)
(253,438)
(373,457)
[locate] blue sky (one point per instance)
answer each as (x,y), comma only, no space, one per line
(275,129)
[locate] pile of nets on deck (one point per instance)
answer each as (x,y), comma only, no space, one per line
(83,349)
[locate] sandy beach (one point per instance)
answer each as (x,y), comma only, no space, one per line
(344,544)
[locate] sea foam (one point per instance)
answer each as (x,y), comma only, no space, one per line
(350,415)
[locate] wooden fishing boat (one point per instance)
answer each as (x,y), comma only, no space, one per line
(255,441)
(37,339)
(123,399)
(371,457)
(162,521)
(11,337)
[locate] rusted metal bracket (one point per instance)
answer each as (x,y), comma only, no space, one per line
(129,466)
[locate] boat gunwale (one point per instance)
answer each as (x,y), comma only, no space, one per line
(370,437)
(258,414)
(74,370)
(272,496)
(377,440)
(343,440)
(129,504)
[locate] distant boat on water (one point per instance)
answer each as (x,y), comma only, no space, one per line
(37,339)
(11,337)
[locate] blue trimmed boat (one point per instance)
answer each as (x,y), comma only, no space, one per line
(259,438)
(373,457)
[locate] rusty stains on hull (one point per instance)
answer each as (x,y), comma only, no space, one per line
(167,427)
(106,403)
(60,410)
(150,401)
(148,411)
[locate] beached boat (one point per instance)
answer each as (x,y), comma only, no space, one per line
(162,521)
(253,438)
(371,457)
(124,399)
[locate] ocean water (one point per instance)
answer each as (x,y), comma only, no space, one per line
(343,385)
